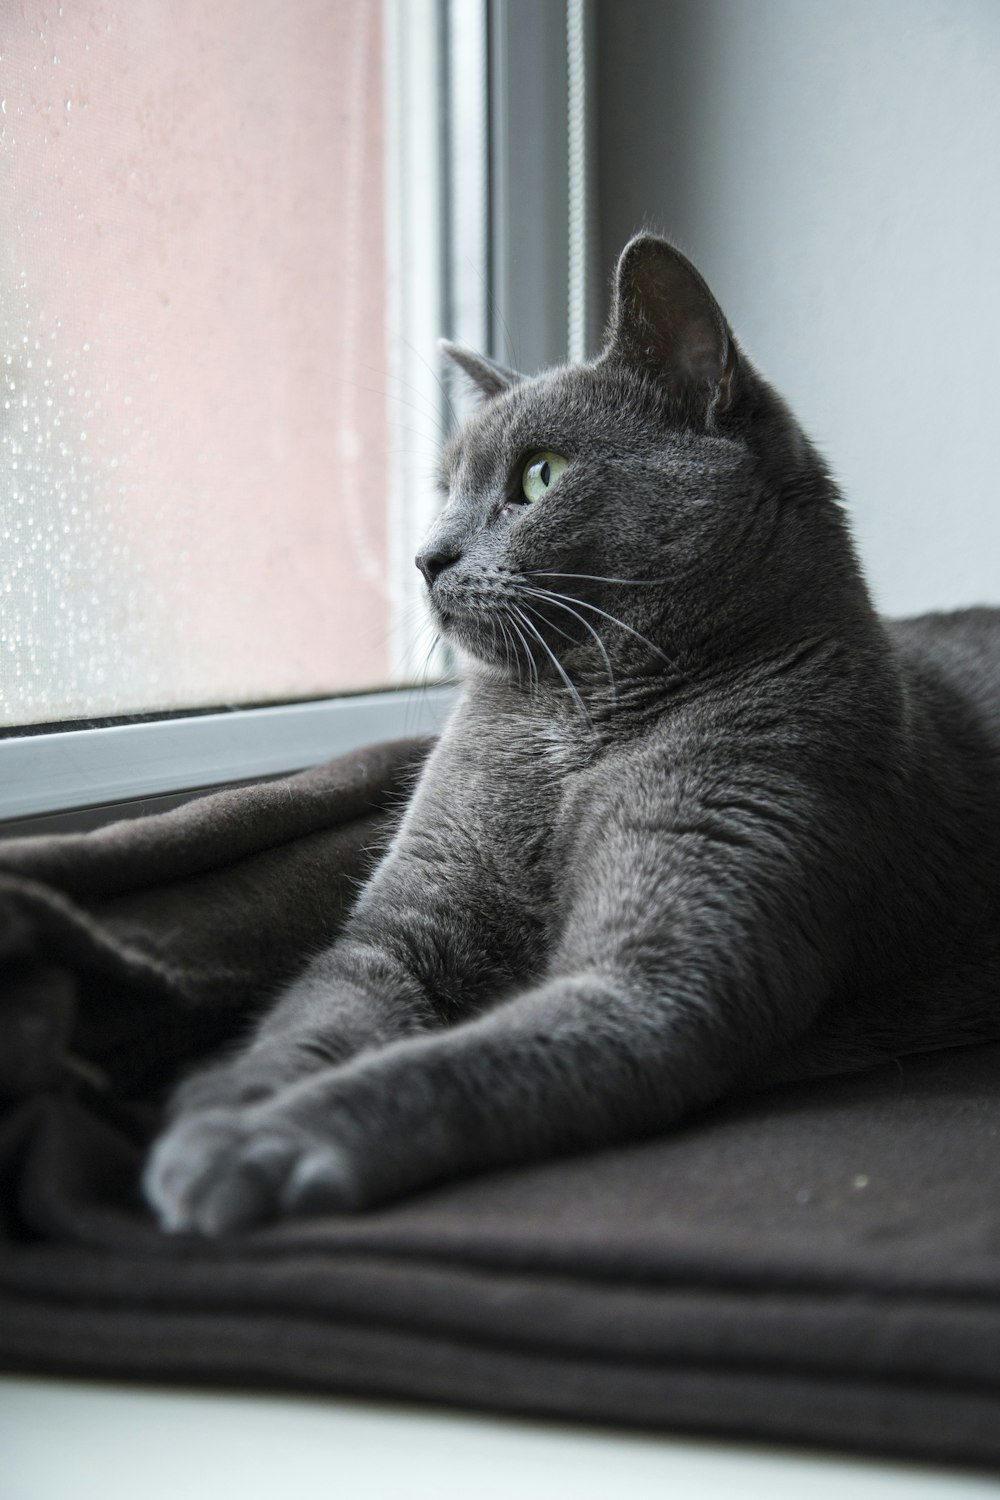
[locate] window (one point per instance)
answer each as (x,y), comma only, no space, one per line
(195,357)
(237,233)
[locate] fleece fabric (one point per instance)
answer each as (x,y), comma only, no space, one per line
(817,1264)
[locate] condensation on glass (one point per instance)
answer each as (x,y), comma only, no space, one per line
(193,334)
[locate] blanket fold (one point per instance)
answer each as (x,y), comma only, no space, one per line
(819,1263)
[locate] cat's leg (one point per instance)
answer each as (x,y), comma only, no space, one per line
(685,963)
(387,977)
(391,976)
(324,1016)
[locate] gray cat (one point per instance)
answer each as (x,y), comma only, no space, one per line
(700,821)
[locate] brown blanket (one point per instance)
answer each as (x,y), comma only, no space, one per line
(818,1264)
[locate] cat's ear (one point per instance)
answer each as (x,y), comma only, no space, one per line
(665,319)
(489,377)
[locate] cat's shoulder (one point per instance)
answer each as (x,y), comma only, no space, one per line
(952,660)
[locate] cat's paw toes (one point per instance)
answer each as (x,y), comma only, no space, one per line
(318,1182)
(224,1170)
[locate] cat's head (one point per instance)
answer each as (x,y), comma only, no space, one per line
(662,486)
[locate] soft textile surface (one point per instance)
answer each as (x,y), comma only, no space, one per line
(819,1263)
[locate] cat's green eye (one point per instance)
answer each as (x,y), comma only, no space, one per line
(540,474)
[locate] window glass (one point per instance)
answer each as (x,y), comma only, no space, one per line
(192,315)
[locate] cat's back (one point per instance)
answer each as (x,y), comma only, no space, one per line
(951,671)
(953,660)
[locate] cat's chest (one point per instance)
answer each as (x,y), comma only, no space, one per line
(517,788)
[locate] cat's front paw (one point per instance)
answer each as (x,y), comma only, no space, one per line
(220,1170)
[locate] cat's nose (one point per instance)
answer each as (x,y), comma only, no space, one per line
(431,564)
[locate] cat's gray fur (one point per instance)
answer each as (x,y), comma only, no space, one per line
(702,824)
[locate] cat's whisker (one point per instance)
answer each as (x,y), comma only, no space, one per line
(418,680)
(424,681)
(591,577)
(436,377)
(391,377)
(412,432)
(553,597)
(510,652)
(564,633)
(570,685)
(536,634)
(562,604)
(532,668)
(498,626)
(371,390)
(527,654)
(413,624)
(495,312)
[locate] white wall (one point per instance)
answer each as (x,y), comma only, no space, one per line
(833,167)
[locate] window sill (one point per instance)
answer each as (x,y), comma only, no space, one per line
(59,771)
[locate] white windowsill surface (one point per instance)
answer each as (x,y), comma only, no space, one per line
(55,771)
(114,1442)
